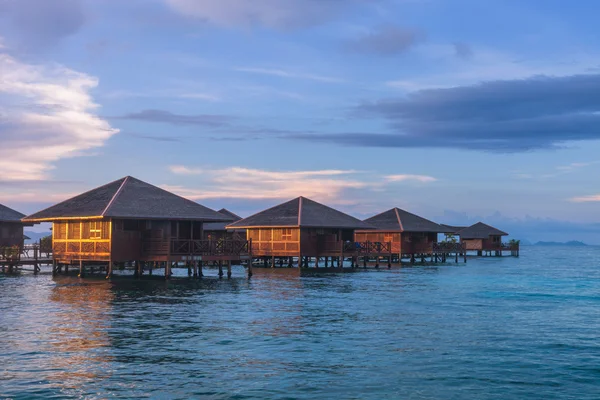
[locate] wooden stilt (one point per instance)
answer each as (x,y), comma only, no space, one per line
(220,269)
(228,269)
(390,262)
(200,273)
(341,262)
(250,269)
(109,270)
(189,268)
(195,269)
(290,262)
(316,262)
(272,261)
(167,270)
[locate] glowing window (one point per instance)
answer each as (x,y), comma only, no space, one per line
(96,230)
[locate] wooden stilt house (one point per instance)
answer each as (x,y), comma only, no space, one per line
(482,237)
(301,228)
(11,228)
(130,220)
(218,230)
(409,234)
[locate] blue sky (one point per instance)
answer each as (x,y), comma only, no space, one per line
(456,110)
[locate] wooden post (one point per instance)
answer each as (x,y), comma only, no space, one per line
(377,262)
(250,268)
(220,269)
(272,261)
(200,273)
(81,272)
(229,269)
(316,262)
(109,270)
(265,262)
(364,262)
(390,262)
(195,263)
(54,267)
(152,264)
(341,262)
(167,270)
(290,262)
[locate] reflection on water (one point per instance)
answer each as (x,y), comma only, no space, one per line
(491,329)
(77,343)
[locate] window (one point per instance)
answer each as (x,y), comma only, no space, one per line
(286,234)
(96,230)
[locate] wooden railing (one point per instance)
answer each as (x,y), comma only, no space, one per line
(444,247)
(360,248)
(500,247)
(10,254)
(222,247)
(84,249)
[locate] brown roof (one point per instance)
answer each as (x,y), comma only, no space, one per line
(9,215)
(480,231)
(222,226)
(128,198)
(301,212)
(398,220)
(452,228)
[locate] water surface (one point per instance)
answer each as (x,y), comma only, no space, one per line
(491,329)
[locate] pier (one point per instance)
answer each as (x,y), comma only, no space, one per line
(131,225)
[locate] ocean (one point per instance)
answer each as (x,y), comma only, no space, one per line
(493,328)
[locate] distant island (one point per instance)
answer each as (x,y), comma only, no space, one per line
(572,243)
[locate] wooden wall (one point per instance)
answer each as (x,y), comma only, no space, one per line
(278,242)
(11,234)
(82,240)
(473,244)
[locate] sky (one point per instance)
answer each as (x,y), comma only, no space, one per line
(459,111)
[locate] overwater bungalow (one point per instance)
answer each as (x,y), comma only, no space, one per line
(410,235)
(302,228)
(218,230)
(483,238)
(11,236)
(131,221)
(11,228)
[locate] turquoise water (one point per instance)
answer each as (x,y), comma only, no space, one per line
(491,329)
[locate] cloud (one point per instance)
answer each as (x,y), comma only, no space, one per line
(586,199)
(280,14)
(287,74)
(408,177)
(257,184)
(168,117)
(39,23)
(500,116)
(558,171)
(46,114)
(485,64)
(386,41)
